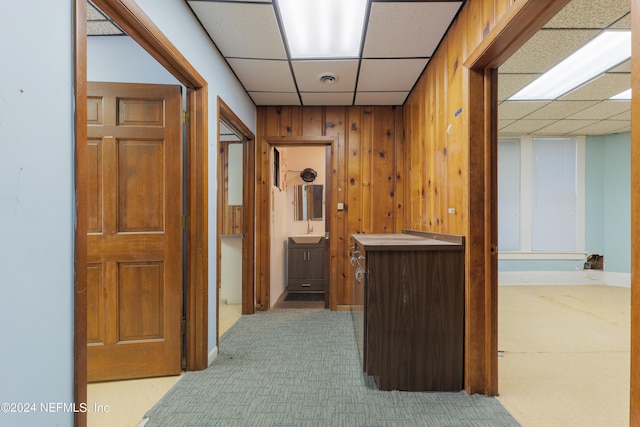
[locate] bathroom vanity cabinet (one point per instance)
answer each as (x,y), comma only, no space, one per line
(305,266)
(408,309)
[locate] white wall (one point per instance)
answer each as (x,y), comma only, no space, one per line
(111,59)
(279,234)
(231,270)
(300,158)
(177,22)
(36,209)
(37,191)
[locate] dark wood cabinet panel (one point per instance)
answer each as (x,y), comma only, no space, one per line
(408,311)
(305,266)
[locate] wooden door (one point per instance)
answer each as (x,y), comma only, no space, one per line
(134,242)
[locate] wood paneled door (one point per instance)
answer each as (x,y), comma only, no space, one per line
(134,241)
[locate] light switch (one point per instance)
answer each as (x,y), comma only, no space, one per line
(340,206)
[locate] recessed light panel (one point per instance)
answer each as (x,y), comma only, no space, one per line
(599,55)
(323,28)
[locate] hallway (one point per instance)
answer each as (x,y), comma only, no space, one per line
(565,360)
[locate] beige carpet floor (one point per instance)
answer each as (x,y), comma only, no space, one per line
(565,360)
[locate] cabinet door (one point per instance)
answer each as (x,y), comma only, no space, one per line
(315,263)
(297,263)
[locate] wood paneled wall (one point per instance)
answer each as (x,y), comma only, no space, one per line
(232,215)
(367,175)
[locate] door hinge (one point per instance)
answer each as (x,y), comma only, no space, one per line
(184,326)
(185,117)
(185,222)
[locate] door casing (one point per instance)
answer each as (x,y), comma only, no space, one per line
(263,207)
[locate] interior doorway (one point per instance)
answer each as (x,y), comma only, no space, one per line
(235,216)
(128,16)
(264,208)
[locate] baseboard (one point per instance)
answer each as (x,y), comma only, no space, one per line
(212,355)
(343,307)
(582,277)
(622,280)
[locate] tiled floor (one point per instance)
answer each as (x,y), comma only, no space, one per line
(565,360)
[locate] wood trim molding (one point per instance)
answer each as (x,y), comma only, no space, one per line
(132,19)
(128,15)
(634,404)
(80,238)
(521,21)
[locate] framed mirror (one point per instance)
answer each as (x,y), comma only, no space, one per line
(308,202)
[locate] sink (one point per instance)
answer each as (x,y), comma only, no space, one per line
(306,238)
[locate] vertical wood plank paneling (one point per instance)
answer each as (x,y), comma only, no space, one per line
(365,169)
(398,172)
(335,125)
(457,118)
(312,121)
(382,169)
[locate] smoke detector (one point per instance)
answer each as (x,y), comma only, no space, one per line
(327,78)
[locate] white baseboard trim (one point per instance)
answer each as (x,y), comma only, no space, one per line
(622,280)
(582,277)
(212,355)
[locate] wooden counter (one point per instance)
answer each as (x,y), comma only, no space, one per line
(408,309)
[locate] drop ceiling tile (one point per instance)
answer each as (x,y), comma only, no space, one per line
(334,98)
(93,13)
(380,98)
(261,75)
(624,116)
(307,75)
(604,127)
(275,98)
(407,29)
(242,30)
(103,28)
(545,49)
(602,110)
(389,74)
(559,110)
(515,110)
(510,84)
(503,124)
(524,127)
(591,13)
(603,87)
(623,23)
(563,127)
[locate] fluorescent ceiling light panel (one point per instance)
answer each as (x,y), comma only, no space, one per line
(599,55)
(622,96)
(323,28)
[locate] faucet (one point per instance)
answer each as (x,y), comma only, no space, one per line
(309,227)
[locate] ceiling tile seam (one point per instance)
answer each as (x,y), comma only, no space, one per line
(203,28)
(283,36)
(363,38)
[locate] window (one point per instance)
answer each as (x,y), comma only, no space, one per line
(541,197)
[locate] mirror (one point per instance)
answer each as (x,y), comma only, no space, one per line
(308,202)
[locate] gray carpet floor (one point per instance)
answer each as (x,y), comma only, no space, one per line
(301,368)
